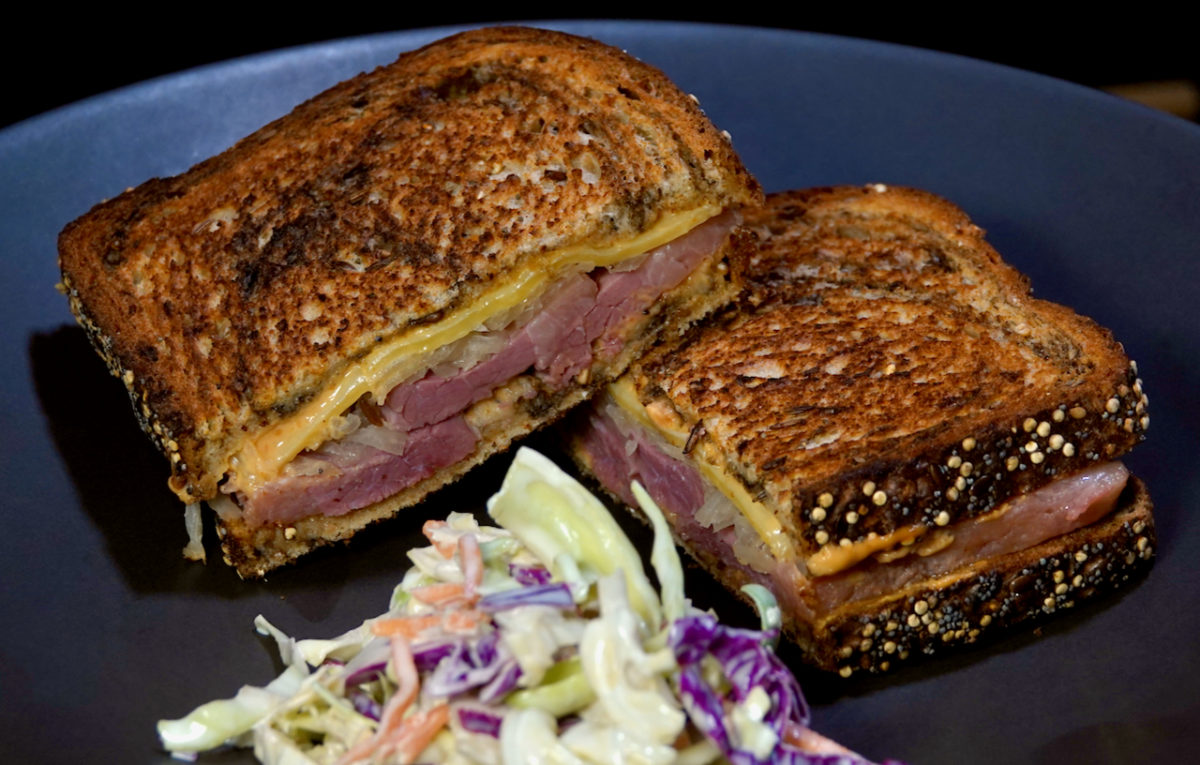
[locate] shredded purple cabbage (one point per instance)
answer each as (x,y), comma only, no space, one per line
(557,595)
(527,575)
(747,662)
(364,703)
(471,664)
(703,707)
(480,721)
(428,655)
(504,681)
(365,674)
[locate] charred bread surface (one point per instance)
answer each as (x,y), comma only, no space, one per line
(228,296)
(900,372)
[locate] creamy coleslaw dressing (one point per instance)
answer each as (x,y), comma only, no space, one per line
(519,645)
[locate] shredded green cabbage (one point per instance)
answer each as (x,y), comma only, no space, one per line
(611,662)
(552,515)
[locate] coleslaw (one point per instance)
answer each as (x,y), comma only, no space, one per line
(541,641)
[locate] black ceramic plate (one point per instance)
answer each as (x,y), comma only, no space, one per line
(103,628)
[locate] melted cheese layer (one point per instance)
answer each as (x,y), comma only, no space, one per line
(262,458)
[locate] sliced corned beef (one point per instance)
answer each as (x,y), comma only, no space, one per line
(582,314)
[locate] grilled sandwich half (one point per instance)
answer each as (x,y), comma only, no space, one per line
(888,431)
(357,303)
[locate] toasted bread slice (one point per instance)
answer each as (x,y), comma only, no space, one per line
(884,381)
(249,302)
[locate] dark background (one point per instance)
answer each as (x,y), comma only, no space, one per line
(60,58)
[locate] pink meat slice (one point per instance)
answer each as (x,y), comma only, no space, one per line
(617,457)
(376,475)
(552,343)
(585,312)
(625,293)
(557,343)
(1058,508)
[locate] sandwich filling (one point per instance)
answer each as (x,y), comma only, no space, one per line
(389,436)
(715,523)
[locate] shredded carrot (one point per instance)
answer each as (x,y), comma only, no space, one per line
(410,627)
(407,737)
(472,563)
(442,593)
(405,626)
(432,526)
(429,529)
(461,621)
(408,682)
(808,740)
(415,733)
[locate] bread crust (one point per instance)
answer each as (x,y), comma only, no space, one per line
(964,390)
(975,602)
(228,296)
